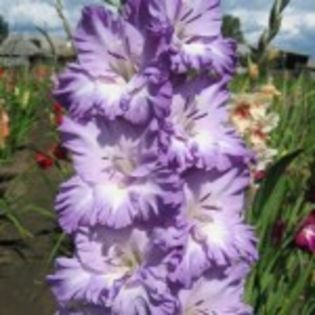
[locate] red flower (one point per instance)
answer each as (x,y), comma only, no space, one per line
(259,176)
(57,108)
(2,72)
(58,119)
(242,110)
(58,111)
(59,152)
(305,237)
(43,160)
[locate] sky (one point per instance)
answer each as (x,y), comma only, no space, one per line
(297,33)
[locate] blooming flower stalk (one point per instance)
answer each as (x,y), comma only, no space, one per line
(252,117)
(156,202)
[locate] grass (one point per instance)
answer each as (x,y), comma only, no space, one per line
(23,95)
(283,280)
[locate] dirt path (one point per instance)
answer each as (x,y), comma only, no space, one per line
(22,281)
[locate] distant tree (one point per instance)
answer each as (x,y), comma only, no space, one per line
(116,3)
(231,27)
(4,29)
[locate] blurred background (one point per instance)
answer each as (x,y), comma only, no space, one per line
(272,106)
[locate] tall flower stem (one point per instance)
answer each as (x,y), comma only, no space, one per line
(274,26)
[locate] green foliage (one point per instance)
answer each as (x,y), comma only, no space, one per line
(22,96)
(4,29)
(115,3)
(22,103)
(231,28)
(283,280)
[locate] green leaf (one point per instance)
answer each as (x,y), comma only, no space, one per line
(297,289)
(272,178)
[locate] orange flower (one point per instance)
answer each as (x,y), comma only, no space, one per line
(4,125)
(269,90)
(42,72)
(2,73)
(253,71)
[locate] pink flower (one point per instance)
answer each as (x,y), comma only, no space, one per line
(305,237)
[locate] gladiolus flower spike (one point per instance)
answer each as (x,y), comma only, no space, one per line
(155,207)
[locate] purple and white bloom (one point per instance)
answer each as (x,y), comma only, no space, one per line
(155,204)
(218,235)
(196,40)
(106,262)
(84,310)
(214,201)
(114,75)
(217,292)
(145,296)
(114,185)
(197,131)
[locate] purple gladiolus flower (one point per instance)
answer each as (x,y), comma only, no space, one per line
(196,35)
(107,263)
(115,75)
(217,292)
(84,310)
(116,182)
(197,131)
(155,204)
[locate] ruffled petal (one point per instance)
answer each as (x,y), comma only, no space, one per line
(217,191)
(197,131)
(113,251)
(220,291)
(85,95)
(137,297)
(196,42)
(105,43)
(84,310)
(217,233)
(98,145)
(79,203)
(116,73)
(74,205)
(72,283)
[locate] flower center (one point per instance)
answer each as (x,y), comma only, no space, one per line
(115,85)
(124,165)
(125,69)
(186,120)
(132,259)
(196,308)
(180,33)
(199,212)
(121,157)
(126,261)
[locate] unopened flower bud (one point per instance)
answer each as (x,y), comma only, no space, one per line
(305,237)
